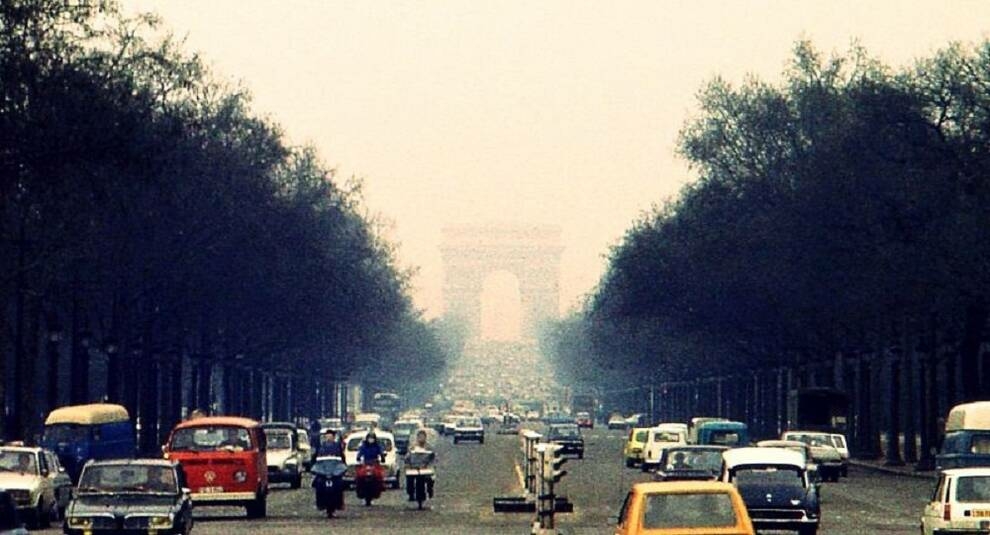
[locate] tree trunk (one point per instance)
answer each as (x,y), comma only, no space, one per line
(893,453)
(911,397)
(969,350)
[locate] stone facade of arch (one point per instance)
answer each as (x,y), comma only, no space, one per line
(530,253)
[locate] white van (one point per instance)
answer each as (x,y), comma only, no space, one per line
(659,438)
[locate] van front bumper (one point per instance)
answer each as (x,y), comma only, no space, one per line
(221,498)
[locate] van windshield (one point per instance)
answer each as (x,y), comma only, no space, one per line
(66,433)
(211,438)
(725,438)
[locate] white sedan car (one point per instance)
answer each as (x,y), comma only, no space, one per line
(961,503)
(26,476)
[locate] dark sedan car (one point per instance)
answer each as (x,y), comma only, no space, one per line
(569,437)
(129,496)
(774,484)
(690,463)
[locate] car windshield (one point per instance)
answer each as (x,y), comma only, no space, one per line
(973,489)
(211,438)
(17,461)
(838,441)
(686,459)
(404,428)
(772,476)
(640,436)
(678,511)
(278,440)
(132,478)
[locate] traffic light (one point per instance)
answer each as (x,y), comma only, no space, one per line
(553,459)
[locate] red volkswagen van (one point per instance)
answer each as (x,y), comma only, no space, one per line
(224,461)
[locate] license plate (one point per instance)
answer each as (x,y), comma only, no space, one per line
(210,490)
(983,513)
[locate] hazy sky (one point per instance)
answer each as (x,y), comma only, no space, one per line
(560,112)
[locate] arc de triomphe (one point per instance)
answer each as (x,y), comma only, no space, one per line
(530,252)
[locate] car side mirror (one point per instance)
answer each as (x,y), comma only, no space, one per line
(613,520)
(44,472)
(61,469)
(164,448)
(186,490)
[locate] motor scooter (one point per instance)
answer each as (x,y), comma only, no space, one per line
(328,484)
(420,475)
(369,481)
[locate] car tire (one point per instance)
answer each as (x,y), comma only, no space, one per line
(258,508)
(44,517)
(455,440)
(296,482)
(808,530)
(630,463)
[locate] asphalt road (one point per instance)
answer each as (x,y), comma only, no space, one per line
(470,475)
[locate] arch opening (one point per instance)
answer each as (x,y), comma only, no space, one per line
(501,307)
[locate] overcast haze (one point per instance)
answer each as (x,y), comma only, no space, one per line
(556,112)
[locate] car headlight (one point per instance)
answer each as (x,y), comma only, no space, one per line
(160,522)
(240,476)
(80,522)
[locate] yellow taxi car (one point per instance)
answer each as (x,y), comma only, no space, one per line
(683,508)
(635,444)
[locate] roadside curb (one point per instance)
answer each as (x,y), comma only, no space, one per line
(903,471)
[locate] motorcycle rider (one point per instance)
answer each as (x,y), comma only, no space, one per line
(329,445)
(370,451)
(420,446)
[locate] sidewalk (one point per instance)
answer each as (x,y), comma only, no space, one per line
(907,470)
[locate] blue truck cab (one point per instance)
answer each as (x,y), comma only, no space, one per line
(79,433)
(967,437)
(725,433)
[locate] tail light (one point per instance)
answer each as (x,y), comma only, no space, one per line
(947,511)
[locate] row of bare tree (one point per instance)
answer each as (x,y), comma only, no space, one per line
(838,234)
(154,231)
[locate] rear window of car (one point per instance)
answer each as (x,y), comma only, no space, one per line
(666,437)
(355,444)
(767,476)
(678,511)
(974,489)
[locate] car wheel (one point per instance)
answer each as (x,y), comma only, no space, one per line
(581,455)
(630,463)
(455,440)
(809,530)
(258,508)
(44,517)
(296,482)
